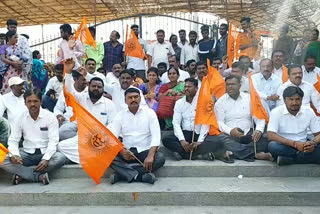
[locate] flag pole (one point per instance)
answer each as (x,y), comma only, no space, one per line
(192,141)
(134,156)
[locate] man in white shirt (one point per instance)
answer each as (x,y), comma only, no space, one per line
(233,112)
(190,51)
(191,68)
(180,142)
(64,113)
(182,35)
(310,71)
(138,64)
(4,131)
(238,69)
(117,90)
(201,71)
(13,101)
(53,89)
(113,76)
(39,129)
(139,127)
(288,128)
(311,95)
(159,50)
(94,102)
(90,66)
(266,83)
(278,58)
(173,62)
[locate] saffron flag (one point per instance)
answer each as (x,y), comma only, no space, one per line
(217,83)
(232,50)
(257,108)
(84,34)
(3,153)
(204,113)
(132,46)
(97,145)
(285,74)
(317,87)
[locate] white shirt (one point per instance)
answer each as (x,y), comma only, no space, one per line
(293,127)
(188,52)
(103,110)
(42,134)
(232,113)
(278,72)
(244,84)
(118,97)
(112,79)
(62,109)
(159,52)
(267,87)
(141,130)
(183,119)
(182,76)
(14,106)
(182,45)
(134,62)
(55,85)
(310,77)
(310,94)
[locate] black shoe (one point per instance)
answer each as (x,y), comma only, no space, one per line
(149,178)
(177,156)
(281,161)
(16,179)
(115,177)
(44,179)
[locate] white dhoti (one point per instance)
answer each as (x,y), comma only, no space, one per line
(69,148)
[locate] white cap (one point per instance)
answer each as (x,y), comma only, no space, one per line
(15,81)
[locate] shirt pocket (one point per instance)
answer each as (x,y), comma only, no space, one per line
(44,133)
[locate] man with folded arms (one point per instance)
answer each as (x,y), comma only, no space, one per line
(288,128)
(40,130)
(139,127)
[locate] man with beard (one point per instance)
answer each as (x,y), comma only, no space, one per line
(162,68)
(64,113)
(69,47)
(223,41)
(180,142)
(201,71)
(288,130)
(39,129)
(93,101)
(266,83)
(295,79)
(13,101)
(183,41)
(159,50)
(139,127)
(126,80)
(190,51)
(191,68)
(53,89)
(310,71)
(279,69)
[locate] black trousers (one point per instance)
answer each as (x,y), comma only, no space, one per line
(211,144)
(129,169)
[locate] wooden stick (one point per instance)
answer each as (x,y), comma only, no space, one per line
(192,142)
(134,156)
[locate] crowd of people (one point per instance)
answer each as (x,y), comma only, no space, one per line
(149,101)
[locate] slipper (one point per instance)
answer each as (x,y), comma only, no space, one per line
(16,179)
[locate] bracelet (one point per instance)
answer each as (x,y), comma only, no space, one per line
(294,144)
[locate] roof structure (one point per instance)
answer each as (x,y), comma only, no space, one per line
(265,14)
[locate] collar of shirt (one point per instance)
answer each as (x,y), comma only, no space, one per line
(41,113)
(139,110)
(99,101)
(262,77)
(239,97)
(285,111)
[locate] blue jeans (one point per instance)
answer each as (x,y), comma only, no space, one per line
(278,149)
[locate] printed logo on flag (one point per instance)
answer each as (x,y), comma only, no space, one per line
(98,141)
(131,44)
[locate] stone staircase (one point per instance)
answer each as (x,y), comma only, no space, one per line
(182,187)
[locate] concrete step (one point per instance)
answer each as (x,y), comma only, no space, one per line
(162,210)
(186,168)
(170,191)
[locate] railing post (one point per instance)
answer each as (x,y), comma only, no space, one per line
(140,26)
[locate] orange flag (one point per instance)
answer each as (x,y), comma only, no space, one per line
(217,84)
(3,153)
(97,145)
(285,74)
(257,108)
(132,46)
(232,50)
(317,87)
(84,34)
(204,113)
